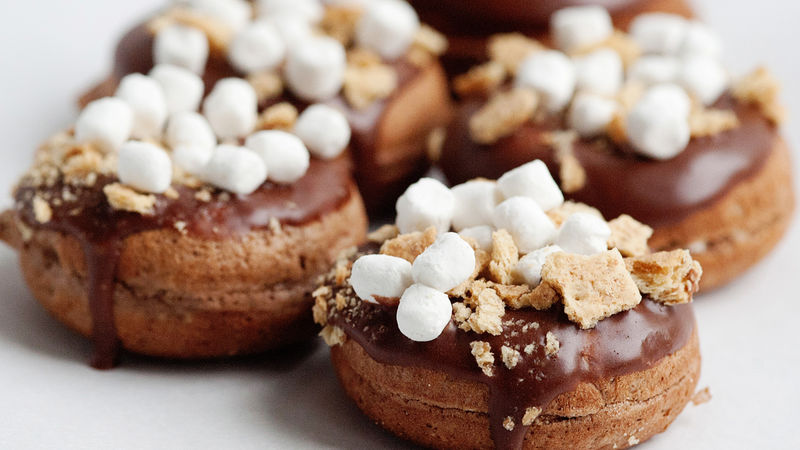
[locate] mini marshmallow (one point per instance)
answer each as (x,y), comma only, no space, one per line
(658,125)
(580,26)
(669,96)
(257,47)
(700,39)
(600,72)
(232,108)
(236,169)
(183,89)
(590,114)
(235,14)
(106,122)
(584,234)
(426,203)
(475,203)
(704,77)
(146,98)
(181,46)
(660,33)
(286,157)
(654,69)
(423,313)
(444,265)
(532,180)
(529,267)
(324,130)
(311,11)
(292,28)
(192,141)
(552,74)
(482,235)
(527,223)
(388,27)
(315,68)
(380,275)
(144,166)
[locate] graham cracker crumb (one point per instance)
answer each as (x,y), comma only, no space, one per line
(489,311)
(368,83)
(511,357)
(461,313)
(172,193)
(709,121)
(667,277)
(341,301)
(561,213)
(502,115)
(482,352)
(320,309)
(629,236)
(508,423)
(515,296)
(383,234)
(762,89)
(530,415)
(409,246)
(529,349)
(571,172)
(505,257)
(341,273)
(511,49)
(616,129)
(180,226)
(204,195)
(333,335)
(339,22)
(480,80)
(126,199)
(702,396)
(275,225)
(591,287)
(280,116)
(41,210)
(619,41)
(633,440)
(434,144)
(430,40)
(551,345)
(268,85)
(541,298)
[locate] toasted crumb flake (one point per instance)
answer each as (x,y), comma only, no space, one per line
(41,210)
(281,116)
(341,301)
(551,345)
(333,335)
(268,85)
(530,415)
(430,40)
(508,423)
(629,236)
(341,273)
(489,311)
(560,214)
(667,277)
(482,352)
(461,313)
(762,89)
(203,195)
(511,49)
(708,122)
(320,309)
(180,226)
(383,234)
(592,287)
(571,172)
(409,246)
(366,84)
(702,396)
(502,115)
(511,357)
(126,199)
(480,80)
(434,143)
(339,22)
(505,257)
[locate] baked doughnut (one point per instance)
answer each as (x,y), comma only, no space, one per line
(469,24)
(485,339)
(394,97)
(708,170)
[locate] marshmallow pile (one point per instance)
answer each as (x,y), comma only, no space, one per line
(517,202)
(680,63)
(281,34)
(162,108)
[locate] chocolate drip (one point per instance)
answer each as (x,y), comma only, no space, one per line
(658,193)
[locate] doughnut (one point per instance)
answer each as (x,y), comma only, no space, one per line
(715,181)
(569,345)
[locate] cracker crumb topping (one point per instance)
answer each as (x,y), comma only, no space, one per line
(280,116)
(383,234)
(508,423)
(333,335)
(505,257)
(709,121)
(629,236)
(126,199)
(530,416)
(511,49)
(367,82)
(482,352)
(480,80)
(511,357)
(41,210)
(552,344)
(503,115)
(667,277)
(762,89)
(409,246)
(268,85)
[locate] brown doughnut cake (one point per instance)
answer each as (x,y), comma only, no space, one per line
(393,103)
(716,180)
(453,342)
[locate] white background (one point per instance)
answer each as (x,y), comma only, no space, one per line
(49,398)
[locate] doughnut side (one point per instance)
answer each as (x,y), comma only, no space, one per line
(433,409)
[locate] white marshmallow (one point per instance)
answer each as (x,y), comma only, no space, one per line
(426,203)
(181,46)
(654,69)
(584,234)
(552,74)
(146,99)
(309,10)
(700,39)
(704,77)
(423,313)
(144,166)
(532,180)
(527,223)
(660,33)
(235,14)
(481,234)
(235,169)
(324,130)
(529,267)
(315,68)
(232,108)
(380,275)
(257,47)
(658,124)
(292,28)
(388,27)
(444,265)
(590,114)
(600,72)
(475,203)
(106,122)
(192,141)
(284,154)
(580,26)
(183,89)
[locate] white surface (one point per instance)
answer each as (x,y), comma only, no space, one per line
(51,399)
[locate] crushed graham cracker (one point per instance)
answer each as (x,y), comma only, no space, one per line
(629,236)
(511,357)
(320,309)
(480,80)
(339,22)
(508,423)
(430,40)
(383,234)
(666,277)
(364,84)
(511,49)
(505,257)
(570,172)
(561,213)
(488,314)
(551,345)
(705,122)
(701,396)
(280,116)
(333,335)
(267,84)
(409,246)
(42,211)
(482,352)
(762,89)
(530,416)
(126,199)
(502,115)
(542,297)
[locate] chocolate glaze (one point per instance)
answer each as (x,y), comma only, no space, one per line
(101,229)
(627,342)
(658,193)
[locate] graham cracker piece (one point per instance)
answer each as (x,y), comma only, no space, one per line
(126,199)
(482,352)
(530,415)
(366,83)
(280,116)
(480,80)
(591,287)
(268,84)
(570,171)
(551,344)
(702,396)
(383,234)
(508,423)
(488,314)
(561,213)
(541,298)
(667,277)
(320,309)
(340,21)
(409,246)
(511,49)
(511,357)
(502,115)
(333,335)
(505,257)
(629,236)
(705,122)
(42,211)
(762,89)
